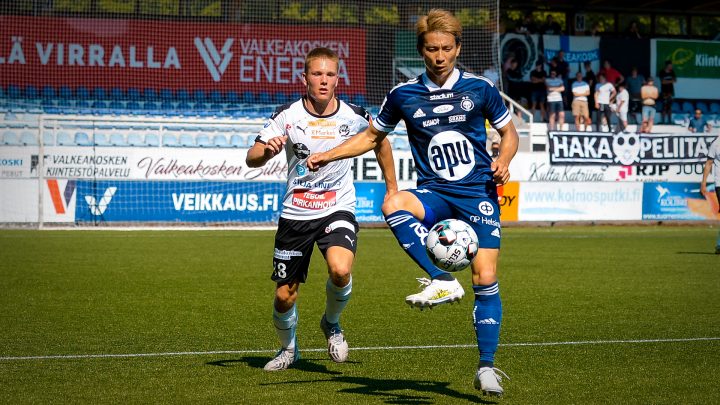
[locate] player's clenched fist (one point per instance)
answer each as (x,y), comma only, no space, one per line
(275,145)
(316,161)
(501,172)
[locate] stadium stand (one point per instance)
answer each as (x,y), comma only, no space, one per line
(152,140)
(170,140)
(64,139)
(101,139)
(10,138)
(82,139)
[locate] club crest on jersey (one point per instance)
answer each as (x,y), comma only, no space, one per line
(419,113)
(344,130)
(300,150)
(451,155)
(467,104)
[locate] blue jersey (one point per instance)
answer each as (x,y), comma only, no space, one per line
(446,129)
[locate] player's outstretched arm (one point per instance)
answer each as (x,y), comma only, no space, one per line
(383,152)
(260,153)
(508,148)
(355,146)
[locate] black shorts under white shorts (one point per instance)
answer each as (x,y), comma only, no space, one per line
(295,239)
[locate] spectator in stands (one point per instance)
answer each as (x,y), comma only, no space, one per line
(612,75)
(648,94)
(633,31)
(556,109)
(712,164)
(622,101)
(698,123)
(604,92)
(581,91)
(512,80)
(538,91)
(491,73)
(591,80)
(634,83)
(551,26)
(667,89)
(322,214)
(527,26)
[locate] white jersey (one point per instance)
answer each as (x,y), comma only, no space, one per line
(714,154)
(311,195)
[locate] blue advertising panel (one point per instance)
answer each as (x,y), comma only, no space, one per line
(663,201)
(178,201)
(370,196)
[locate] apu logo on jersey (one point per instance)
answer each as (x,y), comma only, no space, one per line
(98,208)
(451,155)
(211,56)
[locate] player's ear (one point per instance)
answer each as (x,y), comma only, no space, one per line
(304,79)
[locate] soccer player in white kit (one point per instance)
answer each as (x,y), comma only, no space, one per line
(318,206)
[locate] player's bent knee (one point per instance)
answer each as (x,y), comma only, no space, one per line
(285,296)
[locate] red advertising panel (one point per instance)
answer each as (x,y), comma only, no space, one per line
(154,54)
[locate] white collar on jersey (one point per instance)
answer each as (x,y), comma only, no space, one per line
(449,83)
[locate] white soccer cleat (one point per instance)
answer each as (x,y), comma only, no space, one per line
(488,381)
(337,345)
(435,292)
(283,359)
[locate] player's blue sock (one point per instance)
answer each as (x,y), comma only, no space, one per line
(285,326)
(410,234)
(335,300)
(486,317)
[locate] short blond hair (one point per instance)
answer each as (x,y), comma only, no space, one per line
(318,53)
(438,20)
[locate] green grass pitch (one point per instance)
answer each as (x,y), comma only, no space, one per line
(607,315)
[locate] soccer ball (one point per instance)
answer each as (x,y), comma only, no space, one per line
(451,245)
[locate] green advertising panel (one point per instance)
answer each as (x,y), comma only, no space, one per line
(691,59)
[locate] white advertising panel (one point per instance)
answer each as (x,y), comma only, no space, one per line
(555,201)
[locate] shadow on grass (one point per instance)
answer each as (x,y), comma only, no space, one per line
(389,391)
(698,253)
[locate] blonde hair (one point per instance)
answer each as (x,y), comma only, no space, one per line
(318,53)
(438,20)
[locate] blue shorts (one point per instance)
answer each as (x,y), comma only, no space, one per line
(481,213)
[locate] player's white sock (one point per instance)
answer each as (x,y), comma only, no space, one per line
(285,326)
(336,300)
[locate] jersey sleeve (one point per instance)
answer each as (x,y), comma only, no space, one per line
(389,114)
(275,126)
(495,110)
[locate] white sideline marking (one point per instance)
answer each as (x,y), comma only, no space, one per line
(199,353)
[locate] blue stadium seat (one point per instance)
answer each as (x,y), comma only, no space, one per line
(13,91)
(248,97)
(149,94)
(83,107)
(359,99)
(117,107)
(714,107)
(702,106)
(167,106)
(10,138)
(199,95)
(186,140)
(48,92)
(216,96)
(117,93)
(183,107)
(101,139)
(182,95)
(238,141)
(31,92)
(48,138)
(152,140)
(133,107)
(134,94)
(220,141)
(136,139)
(82,139)
(28,138)
(401,143)
(64,139)
(203,141)
(232,97)
(687,107)
(82,93)
(264,98)
(281,98)
(200,107)
(170,140)
(166,94)
(99,93)
(65,93)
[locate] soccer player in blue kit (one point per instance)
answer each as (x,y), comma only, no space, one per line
(445,111)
